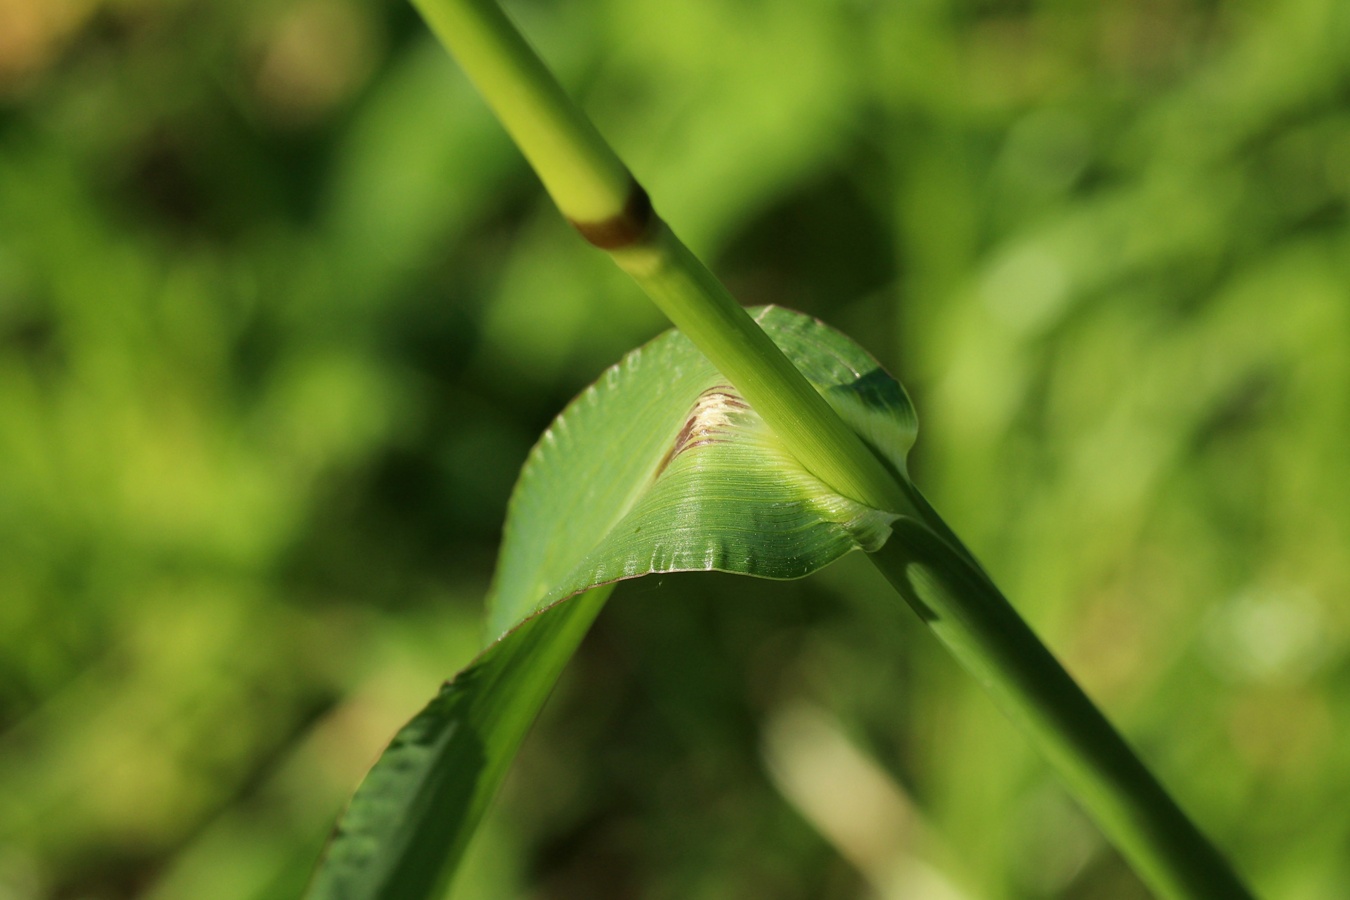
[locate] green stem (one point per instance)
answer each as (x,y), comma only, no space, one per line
(923,559)
(968,613)
(580,171)
(700,306)
(595,191)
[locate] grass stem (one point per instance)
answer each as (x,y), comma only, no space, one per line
(923,559)
(595,191)
(968,613)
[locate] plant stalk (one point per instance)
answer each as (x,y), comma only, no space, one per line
(596,193)
(923,559)
(968,613)
(702,308)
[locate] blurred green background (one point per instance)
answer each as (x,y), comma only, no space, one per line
(281,313)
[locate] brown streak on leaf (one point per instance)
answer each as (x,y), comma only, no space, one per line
(707,423)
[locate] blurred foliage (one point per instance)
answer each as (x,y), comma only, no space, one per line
(281,312)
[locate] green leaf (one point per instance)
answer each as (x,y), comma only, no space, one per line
(414,814)
(660,466)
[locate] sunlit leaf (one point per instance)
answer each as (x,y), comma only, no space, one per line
(658,467)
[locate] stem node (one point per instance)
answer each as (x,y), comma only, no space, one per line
(635,224)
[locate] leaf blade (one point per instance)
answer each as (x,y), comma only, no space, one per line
(414,814)
(691,456)
(659,466)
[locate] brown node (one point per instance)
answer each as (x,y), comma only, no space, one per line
(629,227)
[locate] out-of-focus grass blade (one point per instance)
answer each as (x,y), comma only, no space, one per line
(414,814)
(658,467)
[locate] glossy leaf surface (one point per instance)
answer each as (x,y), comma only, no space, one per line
(660,466)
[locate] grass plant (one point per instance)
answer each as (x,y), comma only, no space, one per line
(763,444)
